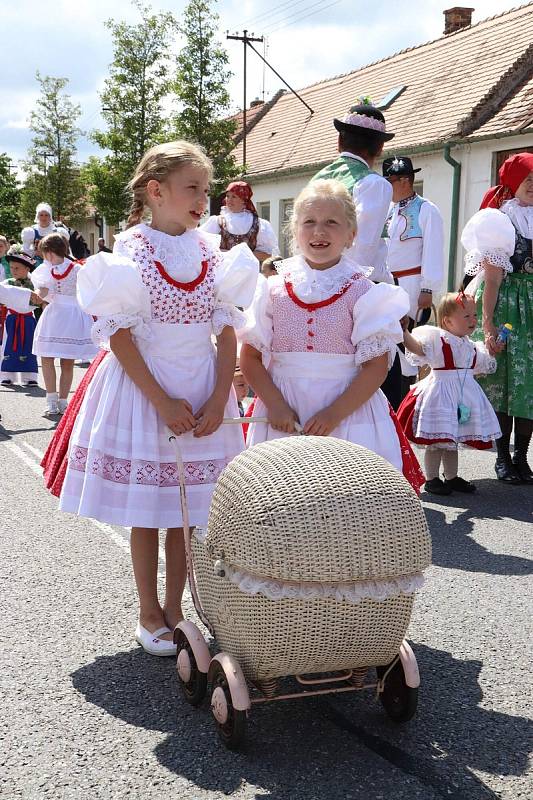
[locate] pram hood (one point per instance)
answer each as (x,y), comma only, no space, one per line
(316,509)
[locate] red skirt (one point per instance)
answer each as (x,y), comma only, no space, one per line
(55,459)
(405,417)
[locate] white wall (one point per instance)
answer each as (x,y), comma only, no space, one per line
(476,177)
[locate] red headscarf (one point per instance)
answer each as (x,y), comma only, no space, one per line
(512,172)
(244,191)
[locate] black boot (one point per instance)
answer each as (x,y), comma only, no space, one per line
(505,470)
(521,445)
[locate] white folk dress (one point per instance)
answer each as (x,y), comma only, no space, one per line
(63,330)
(174,293)
(429,412)
(315,329)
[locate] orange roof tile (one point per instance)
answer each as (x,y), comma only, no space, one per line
(445,80)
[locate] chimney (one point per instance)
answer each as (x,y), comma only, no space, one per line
(457,18)
(256,102)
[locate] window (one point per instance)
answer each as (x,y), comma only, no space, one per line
(263,209)
(418,187)
(390,97)
(499,157)
(285,213)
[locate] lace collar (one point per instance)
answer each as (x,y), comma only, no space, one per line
(521,216)
(315,285)
(181,255)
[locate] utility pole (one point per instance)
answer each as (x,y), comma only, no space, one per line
(245,39)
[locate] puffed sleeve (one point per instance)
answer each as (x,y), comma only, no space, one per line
(15,297)
(266,239)
(429,337)
(110,288)
(28,240)
(485,363)
(257,330)
(376,317)
(489,235)
(210,226)
(42,278)
(235,281)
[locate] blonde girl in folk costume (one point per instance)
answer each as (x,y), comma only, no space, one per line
(63,330)
(159,298)
(320,337)
(449,408)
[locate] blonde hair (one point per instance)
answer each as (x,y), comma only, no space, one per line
(3,240)
(156,165)
(323,190)
(450,303)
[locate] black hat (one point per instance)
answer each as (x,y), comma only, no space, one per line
(397,166)
(21,258)
(364,117)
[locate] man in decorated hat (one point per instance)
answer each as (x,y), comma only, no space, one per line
(415,232)
(362,134)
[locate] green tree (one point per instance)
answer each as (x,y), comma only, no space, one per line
(53,174)
(201,88)
(9,200)
(132,106)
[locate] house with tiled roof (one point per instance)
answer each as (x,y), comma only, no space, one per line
(459,105)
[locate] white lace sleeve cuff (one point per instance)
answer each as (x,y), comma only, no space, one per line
(474,260)
(105,327)
(375,346)
(226,314)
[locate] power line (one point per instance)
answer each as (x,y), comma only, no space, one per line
(273,11)
(299,19)
(291,15)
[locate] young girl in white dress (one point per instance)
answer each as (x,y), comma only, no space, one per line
(63,330)
(448,407)
(320,337)
(159,299)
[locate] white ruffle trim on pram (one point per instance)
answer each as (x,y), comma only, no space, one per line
(352,592)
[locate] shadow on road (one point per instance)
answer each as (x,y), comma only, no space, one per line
(453,545)
(312,748)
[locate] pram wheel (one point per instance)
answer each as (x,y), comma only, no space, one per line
(193,682)
(397,698)
(230,722)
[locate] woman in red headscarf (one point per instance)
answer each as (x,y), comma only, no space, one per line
(238,222)
(499,244)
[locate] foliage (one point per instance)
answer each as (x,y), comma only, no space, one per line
(53,175)
(9,200)
(132,106)
(201,88)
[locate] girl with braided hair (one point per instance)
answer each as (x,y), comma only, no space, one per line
(159,299)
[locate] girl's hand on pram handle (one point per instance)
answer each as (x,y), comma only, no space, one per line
(282,418)
(322,423)
(210,416)
(177,415)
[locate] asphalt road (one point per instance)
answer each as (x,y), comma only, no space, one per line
(86,714)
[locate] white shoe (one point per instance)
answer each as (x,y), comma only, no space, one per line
(152,644)
(62,405)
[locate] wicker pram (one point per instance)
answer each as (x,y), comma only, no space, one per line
(308,567)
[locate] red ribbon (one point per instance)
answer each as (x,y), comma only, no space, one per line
(19,327)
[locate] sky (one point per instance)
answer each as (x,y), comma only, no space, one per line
(305,40)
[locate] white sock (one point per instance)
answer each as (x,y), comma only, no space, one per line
(52,399)
(62,403)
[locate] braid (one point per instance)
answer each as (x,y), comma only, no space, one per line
(136,211)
